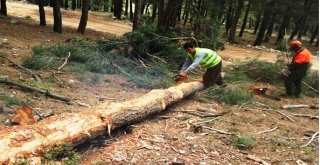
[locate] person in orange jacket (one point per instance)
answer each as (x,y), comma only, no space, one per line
(297,68)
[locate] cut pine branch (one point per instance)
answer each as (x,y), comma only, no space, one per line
(35,75)
(75,128)
(47,93)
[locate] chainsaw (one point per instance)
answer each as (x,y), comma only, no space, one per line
(179,78)
(262,92)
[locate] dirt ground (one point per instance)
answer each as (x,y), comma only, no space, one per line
(165,138)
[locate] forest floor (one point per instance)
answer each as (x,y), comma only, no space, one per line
(165,138)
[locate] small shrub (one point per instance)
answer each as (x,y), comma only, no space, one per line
(236,96)
(311,79)
(282,46)
(9,100)
(243,142)
(308,150)
(40,85)
(20,161)
(96,79)
(233,74)
(62,153)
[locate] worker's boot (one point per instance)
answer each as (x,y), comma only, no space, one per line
(287,94)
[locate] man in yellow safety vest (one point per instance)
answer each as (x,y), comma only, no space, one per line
(207,59)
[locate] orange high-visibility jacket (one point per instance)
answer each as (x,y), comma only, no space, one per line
(302,57)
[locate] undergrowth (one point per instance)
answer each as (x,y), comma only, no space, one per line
(243,141)
(9,100)
(147,56)
(64,154)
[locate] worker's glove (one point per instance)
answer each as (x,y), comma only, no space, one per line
(285,72)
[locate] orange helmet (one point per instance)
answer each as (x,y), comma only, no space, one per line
(295,44)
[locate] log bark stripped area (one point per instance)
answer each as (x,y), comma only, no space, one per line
(75,128)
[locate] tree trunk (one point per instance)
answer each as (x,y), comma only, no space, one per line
(84,17)
(143,6)
(117,8)
(3,7)
(154,11)
(179,11)
(42,15)
(296,28)
(73,4)
(137,14)
(229,18)
(302,26)
(66,4)
(314,34)
(131,10)
(126,8)
(106,6)
(257,24)
(171,15)
(160,14)
(233,27)
(244,23)
(112,5)
(57,20)
(75,128)
(61,3)
(270,28)
(284,24)
(186,12)
(266,17)
(146,9)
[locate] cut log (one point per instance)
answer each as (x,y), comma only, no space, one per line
(75,128)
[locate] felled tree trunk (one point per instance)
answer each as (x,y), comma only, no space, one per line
(75,128)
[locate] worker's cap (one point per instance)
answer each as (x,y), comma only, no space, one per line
(295,43)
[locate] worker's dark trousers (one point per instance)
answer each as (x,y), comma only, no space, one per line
(213,76)
(293,81)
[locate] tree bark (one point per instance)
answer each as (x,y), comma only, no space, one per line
(3,8)
(57,20)
(137,14)
(84,17)
(75,128)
